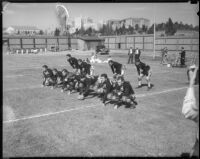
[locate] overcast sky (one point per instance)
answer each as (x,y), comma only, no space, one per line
(43,15)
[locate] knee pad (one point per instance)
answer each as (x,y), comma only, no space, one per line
(139,78)
(80,85)
(100,90)
(80,97)
(147,78)
(128,100)
(109,96)
(114,98)
(124,98)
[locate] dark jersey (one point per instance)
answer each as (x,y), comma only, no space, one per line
(70,76)
(143,68)
(58,75)
(126,89)
(106,85)
(137,55)
(73,62)
(116,68)
(48,73)
(85,68)
(182,54)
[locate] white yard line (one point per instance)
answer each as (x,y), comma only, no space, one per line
(30,87)
(12,76)
(89,106)
(33,67)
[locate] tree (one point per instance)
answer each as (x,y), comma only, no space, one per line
(169,28)
(41,32)
(137,27)
(56,32)
(151,29)
(123,29)
(144,28)
(89,31)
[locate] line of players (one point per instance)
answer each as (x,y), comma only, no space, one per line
(116,90)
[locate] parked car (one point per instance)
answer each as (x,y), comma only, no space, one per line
(102,50)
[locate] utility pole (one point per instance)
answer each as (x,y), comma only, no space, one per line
(154,35)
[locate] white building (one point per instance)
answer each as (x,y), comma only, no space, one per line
(77,22)
(23,30)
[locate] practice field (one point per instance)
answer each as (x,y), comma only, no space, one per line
(43,122)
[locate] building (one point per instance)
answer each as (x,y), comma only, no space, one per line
(128,22)
(89,43)
(78,22)
(89,23)
(23,30)
(114,23)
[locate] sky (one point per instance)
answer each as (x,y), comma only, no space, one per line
(43,15)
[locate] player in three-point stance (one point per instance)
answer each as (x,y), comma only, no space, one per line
(117,68)
(123,93)
(143,70)
(48,77)
(73,62)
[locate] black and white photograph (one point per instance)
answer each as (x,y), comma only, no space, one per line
(100,79)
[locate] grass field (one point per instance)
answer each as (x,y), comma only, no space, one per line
(43,122)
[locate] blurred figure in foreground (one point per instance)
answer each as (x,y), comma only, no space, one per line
(190,110)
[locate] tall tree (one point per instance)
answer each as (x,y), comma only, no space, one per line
(137,27)
(151,29)
(169,28)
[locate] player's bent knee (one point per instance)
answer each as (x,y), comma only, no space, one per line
(109,96)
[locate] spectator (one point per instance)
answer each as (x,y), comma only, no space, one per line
(182,56)
(164,55)
(130,53)
(190,110)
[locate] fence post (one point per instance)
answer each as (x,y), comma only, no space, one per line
(58,44)
(21,45)
(46,42)
(143,43)
(34,43)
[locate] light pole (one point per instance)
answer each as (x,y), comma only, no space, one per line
(154,35)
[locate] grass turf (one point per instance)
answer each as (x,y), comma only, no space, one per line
(155,128)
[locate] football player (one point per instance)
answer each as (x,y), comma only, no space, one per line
(104,88)
(72,61)
(143,70)
(116,67)
(48,77)
(84,67)
(123,93)
(57,77)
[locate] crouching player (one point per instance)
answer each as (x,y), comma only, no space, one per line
(58,77)
(73,62)
(143,70)
(117,68)
(68,83)
(48,77)
(103,88)
(123,93)
(84,67)
(85,85)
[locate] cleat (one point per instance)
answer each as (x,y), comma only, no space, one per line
(62,90)
(69,92)
(52,87)
(132,106)
(148,88)
(139,86)
(116,107)
(42,85)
